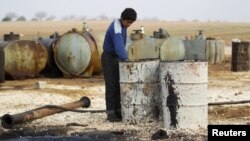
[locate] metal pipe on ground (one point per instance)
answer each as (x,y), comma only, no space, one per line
(8,121)
(228,102)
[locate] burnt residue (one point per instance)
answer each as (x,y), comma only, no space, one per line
(129,67)
(172,99)
(65,133)
(156,112)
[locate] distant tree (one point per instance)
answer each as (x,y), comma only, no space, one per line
(6,19)
(82,18)
(12,15)
(151,19)
(40,15)
(155,19)
(195,20)
(21,18)
(182,20)
(50,18)
(65,18)
(34,19)
(72,17)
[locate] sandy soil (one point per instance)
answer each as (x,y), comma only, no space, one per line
(17,96)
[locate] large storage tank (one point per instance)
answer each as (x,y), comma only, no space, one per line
(184,94)
(24,58)
(76,54)
(146,48)
(140,47)
(215,50)
(51,69)
(172,49)
(203,48)
(195,49)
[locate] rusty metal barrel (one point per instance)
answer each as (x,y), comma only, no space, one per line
(8,121)
(24,58)
(240,56)
(139,91)
(76,54)
(184,94)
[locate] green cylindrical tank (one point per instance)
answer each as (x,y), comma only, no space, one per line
(76,54)
(146,48)
(172,49)
(24,58)
(215,51)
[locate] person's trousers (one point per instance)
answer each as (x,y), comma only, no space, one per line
(110,66)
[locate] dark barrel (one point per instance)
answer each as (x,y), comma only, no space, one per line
(240,56)
(51,69)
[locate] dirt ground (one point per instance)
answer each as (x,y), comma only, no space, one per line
(17,96)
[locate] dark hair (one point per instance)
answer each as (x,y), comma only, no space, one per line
(129,14)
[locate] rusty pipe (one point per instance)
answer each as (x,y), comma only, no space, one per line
(8,121)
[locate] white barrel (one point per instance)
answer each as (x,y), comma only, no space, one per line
(140,91)
(184,94)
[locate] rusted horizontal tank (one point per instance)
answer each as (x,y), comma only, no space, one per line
(184,94)
(51,69)
(24,58)
(76,54)
(8,121)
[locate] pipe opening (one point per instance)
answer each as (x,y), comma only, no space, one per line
(86,102)
(7,121)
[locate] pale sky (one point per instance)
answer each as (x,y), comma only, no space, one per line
(203,10)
